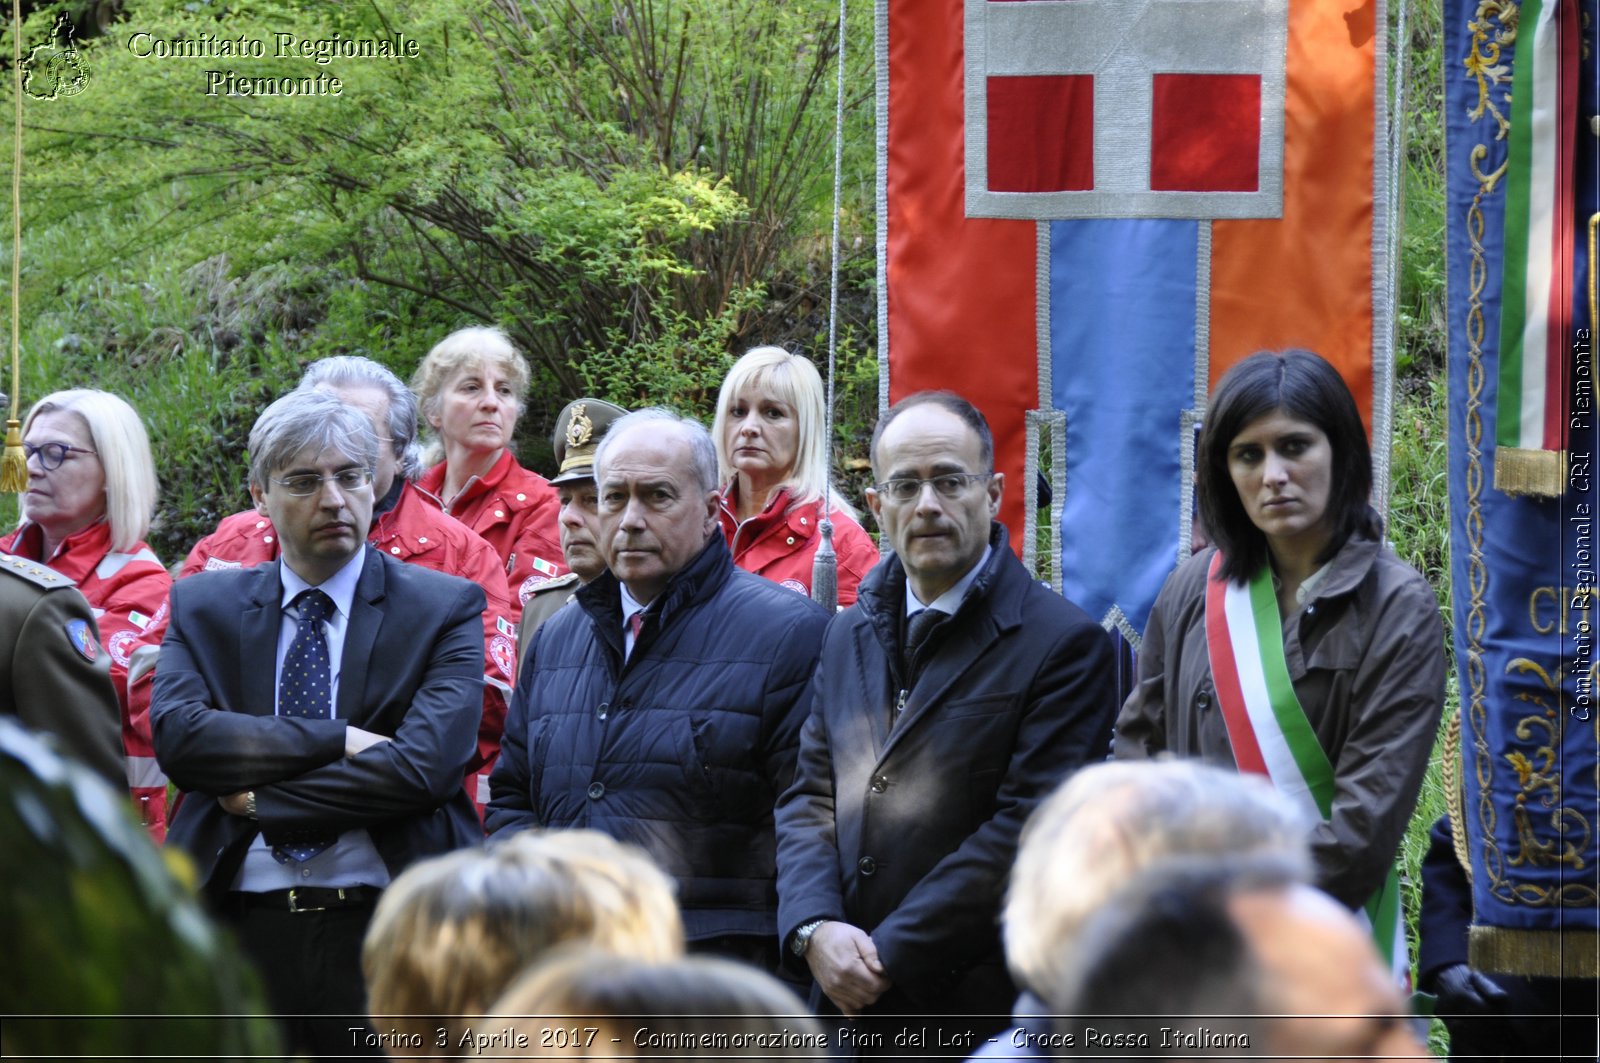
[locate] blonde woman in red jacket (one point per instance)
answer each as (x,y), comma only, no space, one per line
(471,387)
(91,493)
(770,433)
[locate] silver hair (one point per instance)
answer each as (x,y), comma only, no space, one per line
(702,450)
(308,418)
(352,370)
(1109,822)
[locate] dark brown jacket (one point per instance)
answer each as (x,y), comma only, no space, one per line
(1366,656)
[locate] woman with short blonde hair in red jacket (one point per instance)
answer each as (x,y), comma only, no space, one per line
(471,387)
(770,431)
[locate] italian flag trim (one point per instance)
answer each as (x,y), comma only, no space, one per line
(1536,310)
(1268,728)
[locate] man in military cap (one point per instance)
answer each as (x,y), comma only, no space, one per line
(578,432)
(54,675)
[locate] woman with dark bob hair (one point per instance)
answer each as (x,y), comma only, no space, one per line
(1298,646)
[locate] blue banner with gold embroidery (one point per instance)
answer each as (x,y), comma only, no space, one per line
(1524,570)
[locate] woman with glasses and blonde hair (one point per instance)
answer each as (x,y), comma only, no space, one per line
(91,493)
(770,435)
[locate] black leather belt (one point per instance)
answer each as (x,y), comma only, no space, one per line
(309,898)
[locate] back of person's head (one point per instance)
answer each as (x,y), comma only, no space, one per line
(451,933)
(1091,837)
(1164,969)
(698,1006)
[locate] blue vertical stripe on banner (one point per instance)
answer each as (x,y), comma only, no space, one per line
(1523,570)
(1122,335)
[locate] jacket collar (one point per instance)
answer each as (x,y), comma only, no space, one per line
(695,582)
(882,594)
(1349,566)
(77,555)
(432,481)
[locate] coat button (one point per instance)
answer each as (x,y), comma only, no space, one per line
(394,549)
(499,512)
(791,540)
(601,709)
(422,538)
(802,520)
(597,790)
(267,539)
(521,497)
(1202,700)
(867,866)
(880,783)
(261,524)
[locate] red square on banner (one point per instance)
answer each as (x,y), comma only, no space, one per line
(1041,133)
(1205,133)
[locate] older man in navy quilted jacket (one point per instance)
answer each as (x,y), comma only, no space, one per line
(666,711)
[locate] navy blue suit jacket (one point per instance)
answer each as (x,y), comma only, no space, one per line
(412,669)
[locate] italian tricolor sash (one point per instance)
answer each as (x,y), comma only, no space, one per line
(1536,308)
(1269,730)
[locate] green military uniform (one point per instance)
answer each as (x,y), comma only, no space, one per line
(547,597)
(579,429)
(54,675)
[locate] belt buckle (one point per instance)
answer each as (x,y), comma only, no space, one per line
(296,908)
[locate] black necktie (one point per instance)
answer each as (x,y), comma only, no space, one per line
(918,628)
(305,688)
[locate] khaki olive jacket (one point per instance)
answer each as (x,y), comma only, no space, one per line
(1366,656)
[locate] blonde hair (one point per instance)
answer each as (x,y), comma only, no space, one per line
(452,932)
(471,346)
(118,437)
(657,1010)
(795,382)
(1108,822)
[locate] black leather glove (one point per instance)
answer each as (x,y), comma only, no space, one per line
(1463,991)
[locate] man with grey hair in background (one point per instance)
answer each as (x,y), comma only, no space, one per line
(666,709)
(312,782)
(1230,956)
(1093,838)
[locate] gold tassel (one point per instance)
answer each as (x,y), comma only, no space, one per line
(1542,473)
(14,467)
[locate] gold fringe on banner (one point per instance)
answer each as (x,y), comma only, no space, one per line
(1530,472)
(1535,953)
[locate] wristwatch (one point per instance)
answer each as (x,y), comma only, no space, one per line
(802,936)
(250,804)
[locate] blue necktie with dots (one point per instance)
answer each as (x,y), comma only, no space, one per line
(305,688)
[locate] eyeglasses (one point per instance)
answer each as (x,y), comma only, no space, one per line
(952,485)
(51,455)
(303,486)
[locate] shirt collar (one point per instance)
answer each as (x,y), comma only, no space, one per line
(630,604)
(341,586)
(950,600)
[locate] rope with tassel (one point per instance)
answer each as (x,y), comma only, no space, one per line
(14,466)
(825,566)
